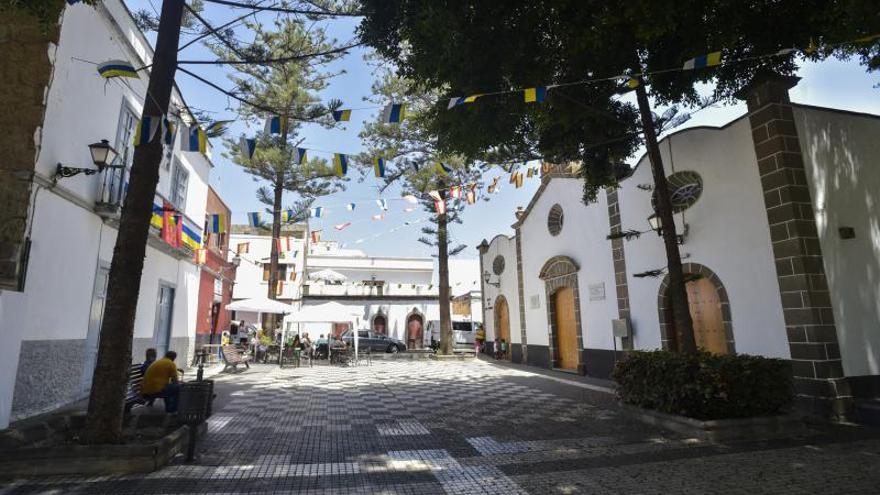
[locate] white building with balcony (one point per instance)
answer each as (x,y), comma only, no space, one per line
(51,325)
(395,296)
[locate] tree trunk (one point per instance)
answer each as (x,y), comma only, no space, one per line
(277,201)
(443,267)
(107,397)
(677,294)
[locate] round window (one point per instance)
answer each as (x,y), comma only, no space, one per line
(685,189)
(498,265)
(555,219)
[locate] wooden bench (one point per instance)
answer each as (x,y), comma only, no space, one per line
(133,395)
(233,357)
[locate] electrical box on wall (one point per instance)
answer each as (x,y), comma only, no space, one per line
(621,327)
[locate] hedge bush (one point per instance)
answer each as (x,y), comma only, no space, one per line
(704,386)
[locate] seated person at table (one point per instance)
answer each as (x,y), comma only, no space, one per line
(160,382)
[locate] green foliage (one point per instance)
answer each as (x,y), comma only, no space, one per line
(45,11)
(289,89)
(704,386)
(461,47)
(411,150)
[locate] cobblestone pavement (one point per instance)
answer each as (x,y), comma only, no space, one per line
(462,428)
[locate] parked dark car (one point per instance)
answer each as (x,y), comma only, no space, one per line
(375,342)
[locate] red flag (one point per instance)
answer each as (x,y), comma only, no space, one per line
(171,225)
(440,206)
(200,256)
(455,191)
(278,247)
(435,195)
(471,197)
(342,226)
(316,236)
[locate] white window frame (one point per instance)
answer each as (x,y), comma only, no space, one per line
(176,198)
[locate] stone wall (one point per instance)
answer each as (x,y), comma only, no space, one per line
(26,70)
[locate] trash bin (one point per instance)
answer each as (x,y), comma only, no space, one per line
(194,408)
(195,401)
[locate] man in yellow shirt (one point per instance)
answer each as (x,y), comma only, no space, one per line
(160,382)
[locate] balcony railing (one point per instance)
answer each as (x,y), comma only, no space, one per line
(360,290)
(114,183)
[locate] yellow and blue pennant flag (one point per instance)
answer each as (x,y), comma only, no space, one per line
(217,224)
(535,95)
(301,156)
(196,140)
(379,167)
(156,218)
(189,237)
(394,113)
(255,219)
(442,169)
(286,215)
(145,130)
(247,147)
(340,161)
(116,68)
(342,115)
(707,60)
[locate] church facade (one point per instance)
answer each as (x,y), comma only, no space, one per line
(777,217)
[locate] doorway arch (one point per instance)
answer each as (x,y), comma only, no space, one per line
(709,307)
(380,324)
(560,276)
(502,321)
(415,327)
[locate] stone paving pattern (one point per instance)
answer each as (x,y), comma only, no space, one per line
(467,428)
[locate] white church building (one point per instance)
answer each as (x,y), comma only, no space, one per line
(777,213)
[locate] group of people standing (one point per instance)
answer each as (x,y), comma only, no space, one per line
(499,347)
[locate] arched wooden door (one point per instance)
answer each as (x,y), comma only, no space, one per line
(566,329)
(705,309)
(502,321)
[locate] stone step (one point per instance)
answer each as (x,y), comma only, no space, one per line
(868,411)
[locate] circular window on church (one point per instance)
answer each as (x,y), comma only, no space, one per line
(498,265)
(685,189)
(554,220)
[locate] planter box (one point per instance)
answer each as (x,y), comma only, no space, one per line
(722,430)
(44,458)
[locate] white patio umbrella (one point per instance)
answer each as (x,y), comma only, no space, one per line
(260,305)
(328,275)
(330,312)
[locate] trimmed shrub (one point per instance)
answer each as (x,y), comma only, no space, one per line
(704,386)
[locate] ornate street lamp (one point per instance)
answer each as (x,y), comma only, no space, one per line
(487,276)
(656,224)
(103,156)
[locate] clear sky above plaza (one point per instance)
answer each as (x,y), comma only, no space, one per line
(832,83)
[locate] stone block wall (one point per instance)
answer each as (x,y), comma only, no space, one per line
(803,288)
(25,72)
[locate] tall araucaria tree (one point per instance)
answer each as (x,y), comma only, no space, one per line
(413,162)
(592,49)
(288,89)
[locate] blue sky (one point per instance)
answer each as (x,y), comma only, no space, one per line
(832,83)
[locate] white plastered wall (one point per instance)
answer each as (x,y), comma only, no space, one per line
(841,153)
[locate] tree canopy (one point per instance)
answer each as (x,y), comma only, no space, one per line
(497,46)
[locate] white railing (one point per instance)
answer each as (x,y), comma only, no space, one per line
(355,289)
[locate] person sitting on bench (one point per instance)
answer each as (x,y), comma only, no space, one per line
(149,359)
(160,382)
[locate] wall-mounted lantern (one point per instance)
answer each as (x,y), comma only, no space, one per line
(487,276)
(103,156)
